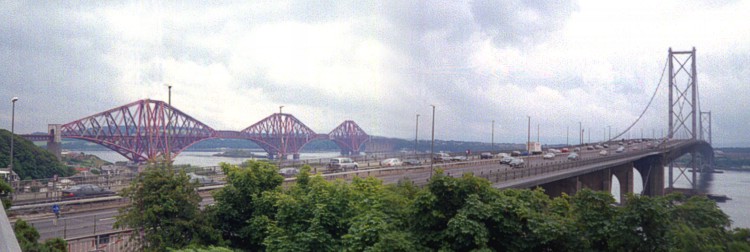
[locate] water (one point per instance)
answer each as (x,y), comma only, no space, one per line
(730,183)
(206,158)
(733,184)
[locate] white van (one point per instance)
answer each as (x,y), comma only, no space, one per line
(342,164)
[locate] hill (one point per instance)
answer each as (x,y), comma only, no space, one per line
(30,161)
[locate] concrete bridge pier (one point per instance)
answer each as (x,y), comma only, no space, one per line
(624,175)
(652,172)
(568,186)
(54,144)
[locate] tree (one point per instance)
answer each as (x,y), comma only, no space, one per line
(164,209)
(242,212)
(28,237)
(5,191)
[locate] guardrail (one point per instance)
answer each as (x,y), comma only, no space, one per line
(114,241)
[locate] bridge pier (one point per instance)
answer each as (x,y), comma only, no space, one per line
(624,175)
(652,172)
(568,186)
(54,144)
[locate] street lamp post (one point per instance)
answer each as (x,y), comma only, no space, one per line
(280,107)
(493,136)
(580,133)
(528,136)
(416,137)
(432,145)
(610,132)
(169,122)
(12,134)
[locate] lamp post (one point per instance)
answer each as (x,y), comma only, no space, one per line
(12,134)
(493,135)
(169,122)
(432,145)
(580,133)
(610,132)
(416,137)
(528,135)
(280,107)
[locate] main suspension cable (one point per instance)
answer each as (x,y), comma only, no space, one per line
(647,106)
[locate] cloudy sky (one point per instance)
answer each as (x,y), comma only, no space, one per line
(379,63)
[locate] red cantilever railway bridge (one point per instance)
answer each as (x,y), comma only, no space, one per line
(150,129)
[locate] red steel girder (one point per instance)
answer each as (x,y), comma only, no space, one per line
(349,136)
(140,131)
(280,134)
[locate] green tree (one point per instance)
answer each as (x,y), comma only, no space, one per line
(242,212)
(5,191)
(28,237)
(164,207)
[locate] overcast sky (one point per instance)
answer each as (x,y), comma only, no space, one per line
(379,63)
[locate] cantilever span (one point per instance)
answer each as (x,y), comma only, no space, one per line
(151,130)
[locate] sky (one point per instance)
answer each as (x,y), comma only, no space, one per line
(380,63)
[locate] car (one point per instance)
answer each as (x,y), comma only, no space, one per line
(502,155)
(391,162)
(485,155)
(590,147)
(441,157)
(203,180)
(525,153)
(549,155)
(506,160)
(565,150)
(288,172)
(412,162)
(606,146)
(603,153)
(458,158)
(598,147)
(554,151)
(620,149)
(342,164)
(577,149)
(573,156)
(515,153)
(516,163)
(84,191)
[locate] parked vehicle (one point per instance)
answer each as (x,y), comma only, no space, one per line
(390,162)
(506,160)
(288,172)
(517,163)
(203,180)
(85,190)
(441,157)
(603,153)
(412,162)
(549,155)
(342,164)
(485,155)
(573,156)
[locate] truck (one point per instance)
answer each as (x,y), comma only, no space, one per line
(534,148)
